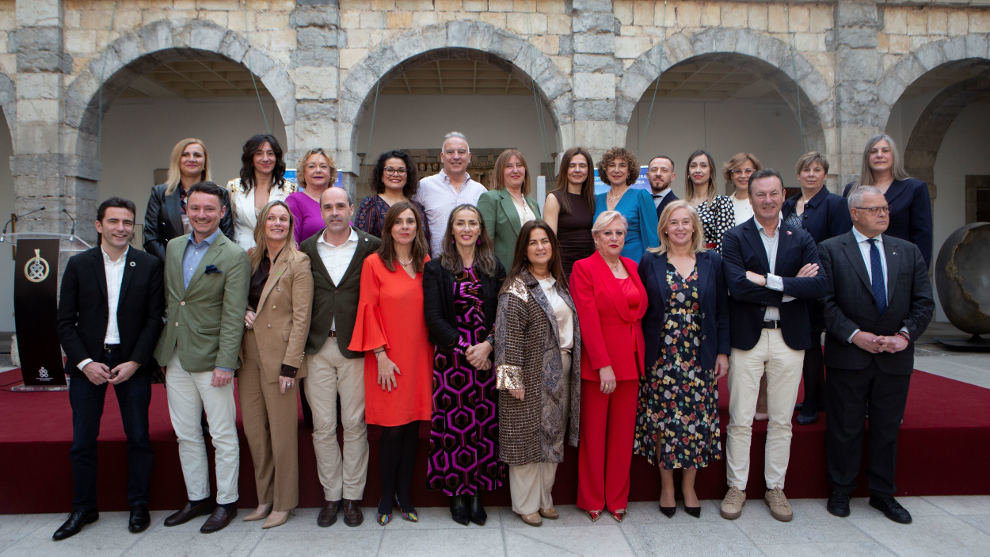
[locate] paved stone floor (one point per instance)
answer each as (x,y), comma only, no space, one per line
(955,526)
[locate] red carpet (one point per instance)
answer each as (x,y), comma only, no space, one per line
(944,448)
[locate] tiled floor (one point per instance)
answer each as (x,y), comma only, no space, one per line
(955,526)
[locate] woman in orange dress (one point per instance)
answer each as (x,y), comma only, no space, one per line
(398,362)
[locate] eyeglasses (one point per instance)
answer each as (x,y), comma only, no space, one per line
(746,171)
(881,210)
(396,171)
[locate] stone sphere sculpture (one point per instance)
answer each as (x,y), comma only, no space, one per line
(962,278)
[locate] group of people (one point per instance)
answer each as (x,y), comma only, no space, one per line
(605,323)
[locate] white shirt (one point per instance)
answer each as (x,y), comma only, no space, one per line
(524,212)
(742,209)
(438,197)
(864,248)
(561,312)
(337,258)
(245,214)
(659,197)
(114,271)
(774,282)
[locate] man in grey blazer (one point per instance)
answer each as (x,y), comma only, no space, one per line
(878,302)
(336,257)
(206,286)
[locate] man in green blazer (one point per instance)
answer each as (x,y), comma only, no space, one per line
(207,277)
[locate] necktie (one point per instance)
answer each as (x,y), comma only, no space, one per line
(876,270)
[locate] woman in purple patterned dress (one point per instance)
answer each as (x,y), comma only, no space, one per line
(460,295)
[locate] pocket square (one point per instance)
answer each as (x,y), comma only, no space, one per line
(210,269)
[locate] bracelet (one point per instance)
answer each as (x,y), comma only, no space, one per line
(904,335)
(379,351)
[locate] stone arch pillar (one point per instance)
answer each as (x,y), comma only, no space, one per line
(472,35)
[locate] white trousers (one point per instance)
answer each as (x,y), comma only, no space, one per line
(330,374)
(782,366)
(188,395)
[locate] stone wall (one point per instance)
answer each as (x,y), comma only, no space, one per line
(591,61)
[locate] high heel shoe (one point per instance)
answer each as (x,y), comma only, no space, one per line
(693,511)
(458,511)
(478,514)
(408,516)
(668,511)
(259,513)
(383,518)
(618,515)
(594,515)
(276,518)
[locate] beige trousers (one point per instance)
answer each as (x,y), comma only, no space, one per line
(782,366)
(530,486)
(271,422)
(330,374)
(188,395)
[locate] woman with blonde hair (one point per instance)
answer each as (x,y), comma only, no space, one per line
(715,211)
(262,180)
(677,413)
(737,171)
(165,217)
(508,206)
(276,324)
(315,172)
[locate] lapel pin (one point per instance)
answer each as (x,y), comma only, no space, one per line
(788,232)
(133,264)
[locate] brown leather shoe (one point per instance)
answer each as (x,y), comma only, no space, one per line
(189,512)
(219,520)
(328,514)
(352,513)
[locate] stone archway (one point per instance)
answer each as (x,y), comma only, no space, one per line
(8,102)
(788,69)
(360,82)
(109,71)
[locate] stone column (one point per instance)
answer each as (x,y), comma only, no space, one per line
(594,71)
(858,66)
(315,65)
(43,175)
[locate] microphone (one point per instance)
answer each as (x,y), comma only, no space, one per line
(72,233)
(13,218)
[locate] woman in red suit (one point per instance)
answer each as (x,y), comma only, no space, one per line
(610,301)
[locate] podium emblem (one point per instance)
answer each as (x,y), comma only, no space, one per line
(36,269)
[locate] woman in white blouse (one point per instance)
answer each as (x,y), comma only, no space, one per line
(262,180)
(737,171)
(507,206)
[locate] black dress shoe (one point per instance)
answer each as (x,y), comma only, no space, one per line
(890,508)
(478,514)
(458,510)
(806,419)
(328,514)
(838,504)
(221,517)
(352,513)
(189,512)
(139,520)
(74,524)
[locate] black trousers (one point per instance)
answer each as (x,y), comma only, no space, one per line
(813,373)
(133,397)
(849,394)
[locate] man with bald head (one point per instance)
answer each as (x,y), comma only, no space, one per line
(452,186)
(336,257)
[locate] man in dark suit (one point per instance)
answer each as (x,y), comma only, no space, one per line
(661,175)
(772,271)
(336,257)
(878,302)
(109,318)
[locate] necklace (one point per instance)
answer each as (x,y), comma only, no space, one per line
(405,263)
(612,196)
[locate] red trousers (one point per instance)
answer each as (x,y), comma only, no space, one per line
(605,451)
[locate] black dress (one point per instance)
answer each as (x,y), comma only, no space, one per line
(574,229)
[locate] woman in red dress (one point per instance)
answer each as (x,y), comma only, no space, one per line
(398,363)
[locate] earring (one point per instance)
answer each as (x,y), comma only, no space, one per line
(479,241)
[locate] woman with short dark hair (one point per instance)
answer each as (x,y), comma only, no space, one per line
(394,179)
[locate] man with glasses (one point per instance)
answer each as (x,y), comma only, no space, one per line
(452,186)
(772,272)
(878,302)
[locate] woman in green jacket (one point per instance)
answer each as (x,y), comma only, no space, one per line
(507,206)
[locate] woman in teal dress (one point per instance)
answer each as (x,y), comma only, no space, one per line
(619,169)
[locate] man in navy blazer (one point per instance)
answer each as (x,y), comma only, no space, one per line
(771,270)
(661,175)
(109,318)
(878,302)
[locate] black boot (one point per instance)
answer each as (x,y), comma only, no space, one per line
(458,511)
(478,514)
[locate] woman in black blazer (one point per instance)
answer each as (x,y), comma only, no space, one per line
(686,327)
(823,215)
(460,297)
(908,199)
(165,216)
